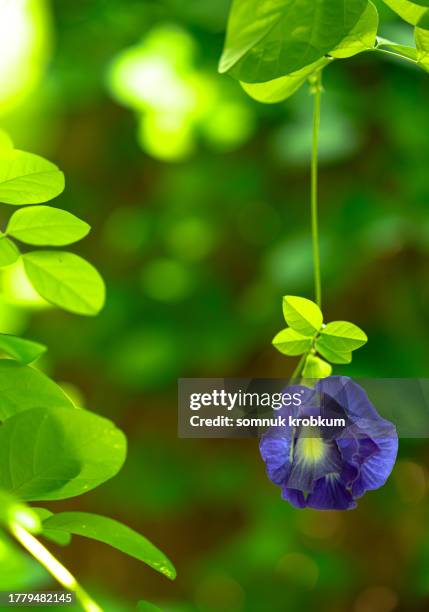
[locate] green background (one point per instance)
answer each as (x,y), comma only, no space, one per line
(197,252)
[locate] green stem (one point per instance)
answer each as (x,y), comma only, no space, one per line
(54,567)
(299,368)
(316,90)
(397,55)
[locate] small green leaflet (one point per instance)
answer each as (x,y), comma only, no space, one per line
(342,336)
(57,453)
(24,388)
(24,351)
(267,39)
(66,280)
(290,342)
(9,252)
(316,368)
(304,316)
(338,339)
(114,534)
(46,226)
(28,179)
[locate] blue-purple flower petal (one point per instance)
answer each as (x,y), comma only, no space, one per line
(329,469)
(376,469)
(329,493)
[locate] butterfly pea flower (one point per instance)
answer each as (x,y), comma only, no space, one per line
(329,467)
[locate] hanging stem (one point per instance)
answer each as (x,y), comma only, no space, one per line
(299,368)
(54,567)
(316,90)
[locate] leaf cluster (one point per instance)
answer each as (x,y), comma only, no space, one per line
(50,449)
(321,344)
(274,46)
(60,277)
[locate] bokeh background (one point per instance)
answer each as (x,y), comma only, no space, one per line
(198,198)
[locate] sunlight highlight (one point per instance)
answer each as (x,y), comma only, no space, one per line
(24,34)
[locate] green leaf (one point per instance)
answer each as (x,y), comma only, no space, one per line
(316,368)
(402,51)
(24,351)
(9,252)
(57,453)
(362,37)
(24,388)
(66,280)
(46,226)
(422,44)
(58,537)
(6,144)
(290,342)
(304,316)
(341,337)
(267,39)
(280,89)
(333,356)
(28,179)
(114,534)
(410,12)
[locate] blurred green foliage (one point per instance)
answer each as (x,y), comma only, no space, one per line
(197,253)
